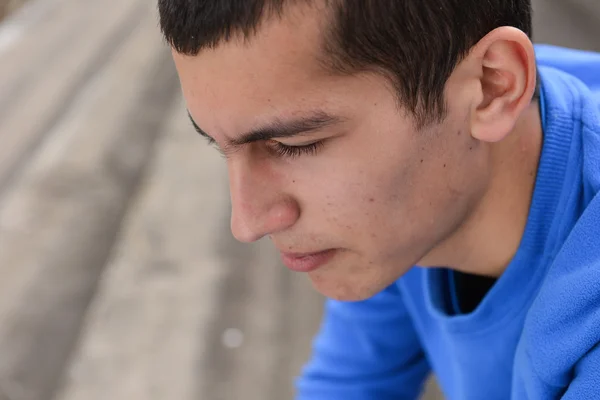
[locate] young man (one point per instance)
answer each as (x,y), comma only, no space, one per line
(405,155)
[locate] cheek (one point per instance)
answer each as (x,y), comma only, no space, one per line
(364,201)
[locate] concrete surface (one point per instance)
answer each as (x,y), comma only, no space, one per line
(118,276)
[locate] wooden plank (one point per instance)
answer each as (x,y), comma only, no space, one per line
(58,222)
(276,312)
(36,35)
(145,334)
(590,7)
(28,118)
(571,23)
(25,14)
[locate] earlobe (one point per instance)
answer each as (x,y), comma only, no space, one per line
(507,82)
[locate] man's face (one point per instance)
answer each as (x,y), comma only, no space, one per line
(374,192)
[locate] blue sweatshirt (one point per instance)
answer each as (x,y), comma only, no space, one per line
(536,333)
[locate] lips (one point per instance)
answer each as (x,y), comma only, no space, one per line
(307,262)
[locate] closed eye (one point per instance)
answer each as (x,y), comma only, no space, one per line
(287,151)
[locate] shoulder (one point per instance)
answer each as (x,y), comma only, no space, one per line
(562,325)
(584,65)
(570,85)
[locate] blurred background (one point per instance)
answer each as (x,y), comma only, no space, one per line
(119,278)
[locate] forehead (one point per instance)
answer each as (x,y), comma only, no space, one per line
(277,69)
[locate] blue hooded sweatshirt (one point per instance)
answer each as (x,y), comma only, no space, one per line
(536,333)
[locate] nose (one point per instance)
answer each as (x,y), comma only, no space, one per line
(259,206)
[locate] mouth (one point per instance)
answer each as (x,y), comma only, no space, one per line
(307,262)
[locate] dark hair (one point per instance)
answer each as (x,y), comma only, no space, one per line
(415,43)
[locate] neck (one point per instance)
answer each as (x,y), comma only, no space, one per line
(488,240)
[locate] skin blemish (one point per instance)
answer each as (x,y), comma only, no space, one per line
(371,200)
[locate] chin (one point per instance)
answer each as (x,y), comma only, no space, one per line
(343,290)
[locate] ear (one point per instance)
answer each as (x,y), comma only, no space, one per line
(505,62)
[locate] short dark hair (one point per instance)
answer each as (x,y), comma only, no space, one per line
(415,43)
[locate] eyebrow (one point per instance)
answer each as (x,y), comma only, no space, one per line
(278,129)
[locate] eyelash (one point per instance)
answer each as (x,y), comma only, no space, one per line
(285,151)
(281,150)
